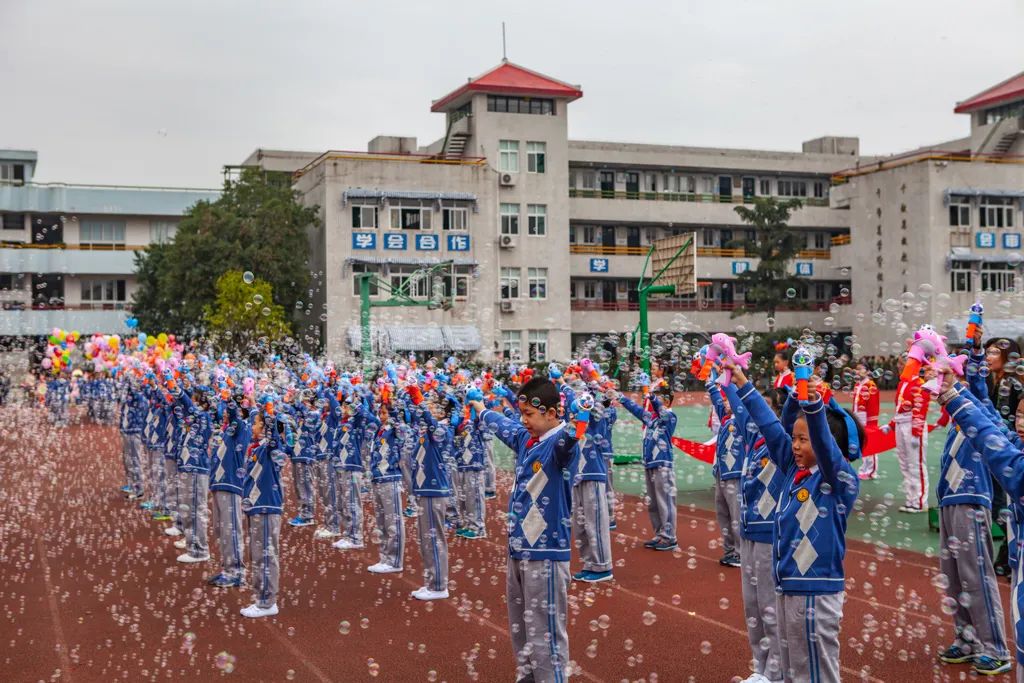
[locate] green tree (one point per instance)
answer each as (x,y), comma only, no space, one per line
(257,224)
(243,316)
(775,245)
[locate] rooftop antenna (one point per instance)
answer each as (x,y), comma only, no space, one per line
(504,49)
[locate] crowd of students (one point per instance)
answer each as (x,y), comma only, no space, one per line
(203,435)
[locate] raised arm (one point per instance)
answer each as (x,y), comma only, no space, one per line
(1005,460)
(637,412)
(509,432)
(830,458)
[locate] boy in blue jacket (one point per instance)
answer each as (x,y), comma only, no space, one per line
(357,421)
(590,525)
(809,537)
(659,425)
(227,480)
(386,479)
(470,456)
(133,418)
(730,446)
(194,468)
(303,457)
(539,541)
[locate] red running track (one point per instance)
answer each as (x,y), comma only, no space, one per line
(91,592)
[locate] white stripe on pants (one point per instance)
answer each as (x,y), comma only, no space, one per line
(387,506)
(759,606)
(609,462)
(727,510)
(171,479)
(194,511)
(302,481)
(433,542)
(809,636)
(470,487)
(590,525)
(351,507)
(227,528)
(661,501)
(490,471)
(537,596)
(326,482)
(132,447)
(911,451)
(157,480)
(265,546)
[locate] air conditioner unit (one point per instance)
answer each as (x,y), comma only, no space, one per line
(507,179)
(508,306)
(507,242)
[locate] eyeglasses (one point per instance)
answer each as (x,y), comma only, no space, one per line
(535,402)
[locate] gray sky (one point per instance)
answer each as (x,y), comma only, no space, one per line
(165,93)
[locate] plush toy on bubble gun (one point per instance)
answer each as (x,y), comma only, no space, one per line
(803,368)
(581,408)
(926,346)
(474,394)
(973,323)
(724,346)
(943,364)
(589,370)
(701,367)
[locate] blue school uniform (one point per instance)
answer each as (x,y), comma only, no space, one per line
(732,439)
(430,444)
(657,443)
(227,463)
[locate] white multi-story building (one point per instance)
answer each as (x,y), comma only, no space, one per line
(548,235)
(67,251)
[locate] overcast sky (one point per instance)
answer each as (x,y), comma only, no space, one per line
(166,93)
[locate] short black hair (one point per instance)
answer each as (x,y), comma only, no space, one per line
(543,389)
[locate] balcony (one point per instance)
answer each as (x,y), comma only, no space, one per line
(39,322)
(704,252)
(601,250)
(75,259)
(655,304)
(681,197)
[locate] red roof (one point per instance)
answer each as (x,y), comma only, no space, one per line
(511,79)
(1007,91)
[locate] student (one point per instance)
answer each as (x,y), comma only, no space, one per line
(227,485)
(865,410)
(783,375)
(660,477)
(590,526)
(730,446)
(911,425)
(818,494)
(327,479)
(539,542)
(603,436)
(386,484)
(156,431)
(132,420)
(356,422)
(194,474)
(470,461)
(263,503)
(303,457)
(432,488)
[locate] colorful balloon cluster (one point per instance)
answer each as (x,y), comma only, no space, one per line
(103,350)
(58,350)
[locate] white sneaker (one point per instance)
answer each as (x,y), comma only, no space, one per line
(180,545)
(756,678)
(345,544)
(381,568)
(325,533)
(427,594)
(254,611)
(188,559)
(172,531)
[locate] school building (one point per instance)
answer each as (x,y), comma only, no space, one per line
(67,251)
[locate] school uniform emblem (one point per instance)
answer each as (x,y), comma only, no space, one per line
(802,495)
(536,466)
(764,461)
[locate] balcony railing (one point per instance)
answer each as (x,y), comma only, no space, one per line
(601,250)
(697,305)
(73,247)
(840,240)
(722,252)
(696,197)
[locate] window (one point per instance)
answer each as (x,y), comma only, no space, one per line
(535,153)
(707,185)
(1005,111)
(792,188)
(103,292)
(537,281)
(819,292)
(765,187)
(996,212)
(455,219)
(959,211)
(364,217)
(509,219)
(520,105)
(815,240)
(538,346)
(691,184)
(588,180)
(12,282)
(12,173)
(511,344)
(416,288)
(101,232)
(536,219)
(14,221)
(819,189)
(359,268)
(960,276)
(589,289)
(162,232)
(998,277)
(456,286)
(510,283)
(417,218)
(651,182)
(707,237)
(508,156)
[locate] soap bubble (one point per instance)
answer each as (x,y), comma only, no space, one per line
(248,278)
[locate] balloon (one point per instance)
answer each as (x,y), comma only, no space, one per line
(46,363)
(75,335)
(142,337)
(162,338)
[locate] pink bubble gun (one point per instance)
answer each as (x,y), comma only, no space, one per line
(590,372)
(724,346)
(942,364)
(926,346)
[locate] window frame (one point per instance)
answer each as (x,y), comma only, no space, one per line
(536,158)
(537,340)
(511,344)
(537,281)
(115,227)
(448,214)
(508,220)
(961,277)
(537,220)
(508,156)
(510,279)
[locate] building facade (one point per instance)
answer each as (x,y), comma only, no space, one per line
(67,251)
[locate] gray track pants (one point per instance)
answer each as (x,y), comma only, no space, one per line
(265,546)
(351,505)
(195,511)
(609,462)
(537,593)
(968,564)
(326,480)
(157,480)
(727,510)
(302,480)
(131,451)
(809,636)
(433,542)
(173,495)
(661,501)
(470,488)
(387,507)
(227,528)
(490,471)
(590,525)
(759,606)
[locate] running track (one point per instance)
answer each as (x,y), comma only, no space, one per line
(91,592)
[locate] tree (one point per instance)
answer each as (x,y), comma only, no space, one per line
(776,245)
(244,316)
(256,225)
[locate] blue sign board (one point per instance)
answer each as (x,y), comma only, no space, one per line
(804,268)
(395,240)
(740,267)
(426,242)
(1011,240)
(598,265)
(458,242)
(985,240)
(364,240)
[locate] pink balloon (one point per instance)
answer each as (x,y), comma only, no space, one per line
(46,363)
